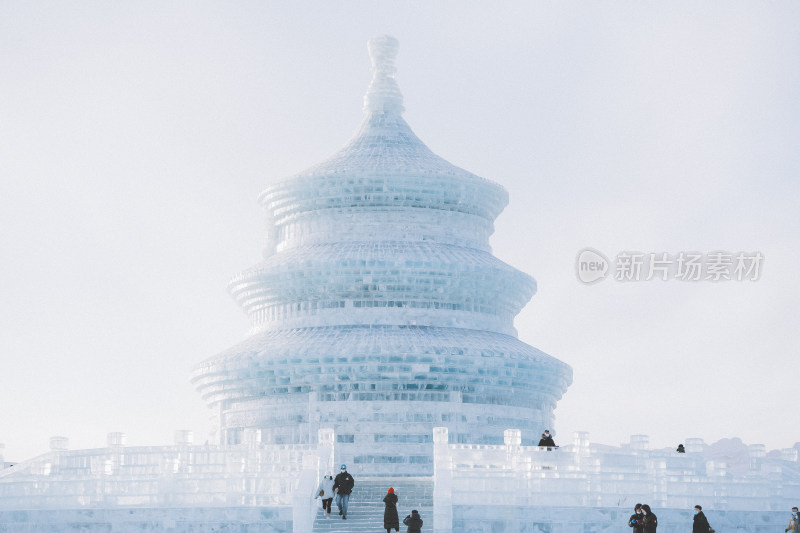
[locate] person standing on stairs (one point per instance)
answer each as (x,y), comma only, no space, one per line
(391,520)
(343,486)
(414,522)
(325,491)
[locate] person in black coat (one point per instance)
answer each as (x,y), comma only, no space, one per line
(414,522)
(343,486)
(650,519)
(636,520)
(700,524)
(547,439)
(391,520)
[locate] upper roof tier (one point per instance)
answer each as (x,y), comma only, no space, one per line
(384,166)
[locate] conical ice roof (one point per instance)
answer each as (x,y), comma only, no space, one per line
(384,146)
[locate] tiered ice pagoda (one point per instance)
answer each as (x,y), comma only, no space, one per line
(380,310)
(382,337)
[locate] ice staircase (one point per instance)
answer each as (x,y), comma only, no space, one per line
(365,512)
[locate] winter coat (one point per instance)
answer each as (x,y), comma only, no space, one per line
(390,518)
(547,441)
(636,522)
(650,523)
(414,522)
(794,525)
(344,482)
(326,487)
(700,524)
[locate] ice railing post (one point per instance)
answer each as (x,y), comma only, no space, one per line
(442,482)
(325,450)
(315,464)
(303,503)
(512,438)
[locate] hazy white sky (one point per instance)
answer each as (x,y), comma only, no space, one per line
(136,136)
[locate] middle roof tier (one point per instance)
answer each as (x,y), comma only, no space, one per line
(389,282)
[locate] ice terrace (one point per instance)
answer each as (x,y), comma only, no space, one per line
(501,486)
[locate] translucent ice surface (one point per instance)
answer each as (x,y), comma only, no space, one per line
(382,337)
(379,310)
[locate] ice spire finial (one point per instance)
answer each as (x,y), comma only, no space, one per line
(383,95)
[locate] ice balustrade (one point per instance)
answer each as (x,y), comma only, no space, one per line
(484,478)
(582,474)
(250,474)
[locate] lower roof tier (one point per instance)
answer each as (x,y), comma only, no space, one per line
(374,362)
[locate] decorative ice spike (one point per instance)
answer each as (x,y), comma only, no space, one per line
(383,95)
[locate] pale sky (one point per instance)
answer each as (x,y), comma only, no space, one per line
(136,136)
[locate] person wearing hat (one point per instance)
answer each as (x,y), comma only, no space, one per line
(700,524)
(650,519)
(343,486)
(547,439)
(390,518)
(636,520)
(325,491)
(414,522)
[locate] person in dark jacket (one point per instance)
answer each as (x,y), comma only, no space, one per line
(547,439)
(636,520)
(700,524)
(343,486)
(414,522)
(391,520)
(650,519)
(681,449)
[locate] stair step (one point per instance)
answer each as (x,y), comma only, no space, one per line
(365,509)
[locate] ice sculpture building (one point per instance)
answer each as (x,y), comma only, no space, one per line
(380,310)
(382,337)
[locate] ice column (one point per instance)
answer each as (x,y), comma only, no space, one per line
(442,482)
